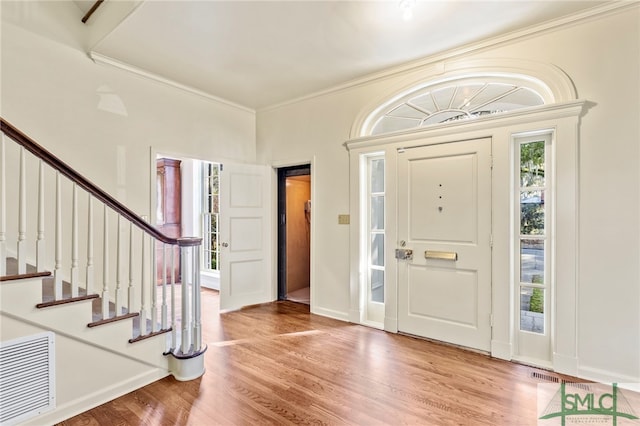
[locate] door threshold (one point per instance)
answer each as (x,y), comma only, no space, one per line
(530,362)
(441,342)
(373,324)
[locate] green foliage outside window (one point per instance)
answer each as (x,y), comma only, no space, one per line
(536,304)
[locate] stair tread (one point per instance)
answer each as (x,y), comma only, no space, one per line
(112,319)
(66,300)
(12,271)
(48,300)
(48,288)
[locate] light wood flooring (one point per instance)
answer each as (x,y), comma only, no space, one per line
(278,364)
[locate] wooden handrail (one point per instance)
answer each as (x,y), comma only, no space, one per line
(53,161)
(87,15)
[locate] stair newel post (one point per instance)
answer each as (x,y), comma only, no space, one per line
(174,331)
(74,242)
(118,295)
(57,271)
(22,214)
(105,265)
(154,286)
(143,286)
(40,243)
(197,335)
(131,292)
(164,287)
(3,209)
(184,314)
(90,276)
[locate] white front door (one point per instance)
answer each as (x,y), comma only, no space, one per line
(245,236)
(444,216)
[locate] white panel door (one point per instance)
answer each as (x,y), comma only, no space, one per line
(444,216)
(245,262)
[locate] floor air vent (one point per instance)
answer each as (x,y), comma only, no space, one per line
(541,376)
(27,386)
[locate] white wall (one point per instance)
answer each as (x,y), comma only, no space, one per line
(75,108)
(102,120)
(602,57)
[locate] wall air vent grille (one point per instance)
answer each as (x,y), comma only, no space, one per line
(27,382)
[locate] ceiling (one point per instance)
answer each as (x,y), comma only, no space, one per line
(261,53)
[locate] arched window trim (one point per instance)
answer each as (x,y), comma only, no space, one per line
(549,81)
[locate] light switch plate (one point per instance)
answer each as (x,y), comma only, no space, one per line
(343,219)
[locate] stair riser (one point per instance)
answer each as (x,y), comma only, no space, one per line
(20,297)
(22,292)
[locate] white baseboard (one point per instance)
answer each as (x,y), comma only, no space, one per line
(210,281)
(355,316)
(501,350)
(605,376)
(565,364)
(342,316)
(87,402)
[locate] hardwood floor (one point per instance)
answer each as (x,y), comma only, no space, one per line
(278,364)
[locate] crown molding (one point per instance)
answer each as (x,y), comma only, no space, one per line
(106,60)
(433,60)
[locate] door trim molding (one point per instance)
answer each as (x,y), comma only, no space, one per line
(565,120)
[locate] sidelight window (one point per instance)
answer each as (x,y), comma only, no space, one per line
(376,241)
(533,231)
(210,215)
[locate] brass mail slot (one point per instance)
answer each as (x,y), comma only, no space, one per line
(442,255)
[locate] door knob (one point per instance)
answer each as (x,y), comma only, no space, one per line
(225,244)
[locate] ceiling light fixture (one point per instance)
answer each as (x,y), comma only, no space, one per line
(407,9)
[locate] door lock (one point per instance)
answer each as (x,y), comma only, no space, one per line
(404,254)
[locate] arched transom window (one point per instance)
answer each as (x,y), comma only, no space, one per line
(460,99)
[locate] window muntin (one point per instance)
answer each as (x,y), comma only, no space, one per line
(210,215)
(375,226)
(450,101)
(533,239)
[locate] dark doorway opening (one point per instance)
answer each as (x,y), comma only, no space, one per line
(294,233)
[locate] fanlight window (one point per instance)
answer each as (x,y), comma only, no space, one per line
(453,101)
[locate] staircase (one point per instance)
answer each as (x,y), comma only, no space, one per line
(92,285)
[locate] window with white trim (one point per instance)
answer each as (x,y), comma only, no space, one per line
(210,214)
(376,240)
(454,100)
(533,220)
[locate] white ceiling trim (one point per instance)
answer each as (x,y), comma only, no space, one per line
(433,60)
(106,60)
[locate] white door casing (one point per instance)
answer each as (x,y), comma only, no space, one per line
(444,208)
(245,236)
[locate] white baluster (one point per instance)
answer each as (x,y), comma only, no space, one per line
(164,287)
(3,210)
(131,292)
(184,314)
(105,264)
(22,214)
(174,330)
(40,242)
(143,285)
(118,298)
(154,287)
(195,290)
(57,271)
(90,275)
(74,242)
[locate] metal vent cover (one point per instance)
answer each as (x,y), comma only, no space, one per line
(27,377)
